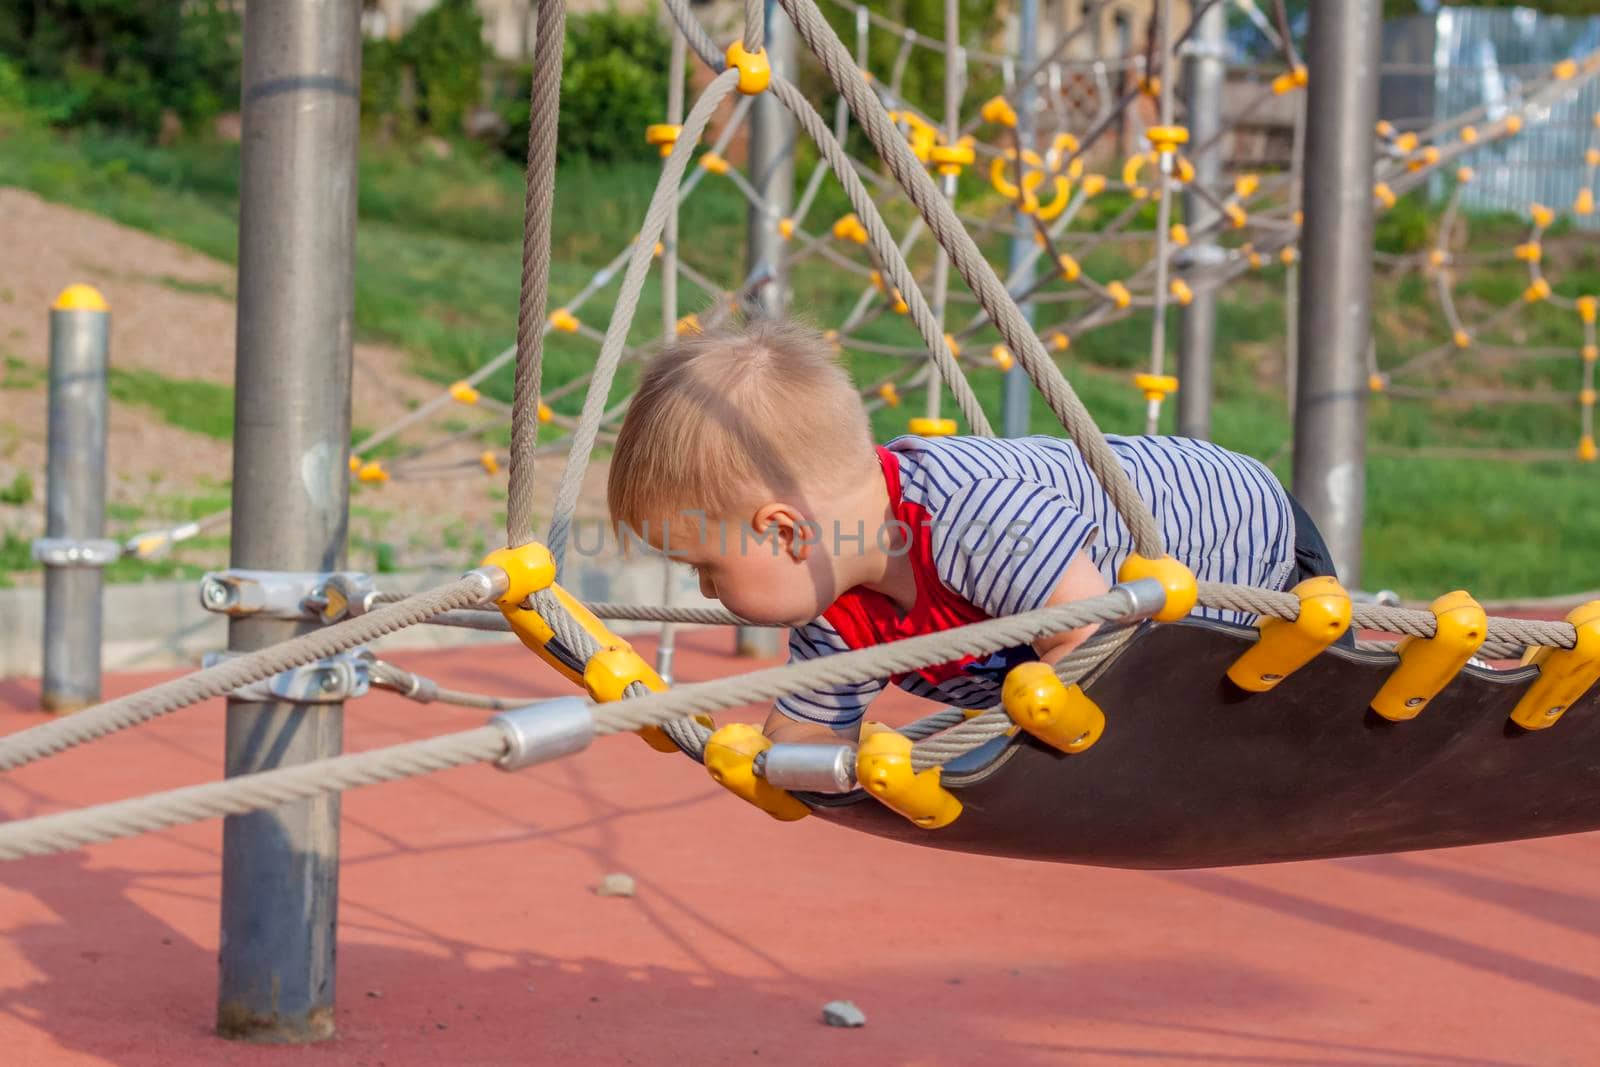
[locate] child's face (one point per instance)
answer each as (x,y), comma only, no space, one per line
(769,576)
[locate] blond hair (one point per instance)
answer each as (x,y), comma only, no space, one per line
(722,417)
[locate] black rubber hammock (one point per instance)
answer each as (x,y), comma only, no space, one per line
(1194,772)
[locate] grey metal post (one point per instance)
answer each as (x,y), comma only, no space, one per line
(1336,282)
(1018,401)
(668,642)
(73,549)
(1203,76)
(772,141)
(297,217)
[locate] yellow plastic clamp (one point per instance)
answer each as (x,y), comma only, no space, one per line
(1377,383)
(1584,204)
(1464,175)
(1237,216)
(755,72)
(999,111)
(355,464)
(1297,78)
(1587,451)
(563,320)
(1002,357)
(1427,665)
(1093,185)
(1587,307)
(1539,290)
(730,758)
(1287,255)
(924,427)
(1245,185)
(1469,135)
(1179,234)
(1285,647)
(1060,342)
(1531,252)
(1565,674)
(489,462)
(1438,257)
(714,163)
(610,672)
(463,393)
(1119,294)
(953,345)
(1565,70)
(1181,292)
(1070,268)
(1175,578)
(950,158)
(545,414)
(786,228)
(1384,194)
(1462,339)
(883,768)
(529,568)
(890,394)
(690,323)
(849,228)
(1591,156)
(372,472)
(1406,143)
(1385,128)
(1061,716)
(664,134)
(1541,215)
(1591,353)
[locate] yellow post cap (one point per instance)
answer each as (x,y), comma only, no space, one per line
(1155,386)
(924,427)
(80,297)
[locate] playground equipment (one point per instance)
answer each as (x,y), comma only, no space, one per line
(1262,745)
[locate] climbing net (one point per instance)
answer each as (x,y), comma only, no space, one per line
(900,768)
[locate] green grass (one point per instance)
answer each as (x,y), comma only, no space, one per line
(438,263)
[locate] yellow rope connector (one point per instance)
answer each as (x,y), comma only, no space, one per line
(1587,307)
(1462,339)
(1587,452)
(1237,216)
(1118,293)
(1070,268)
(1288,255)
(1513,124)
(1591,353)
(545,414)
(1384,194)
(355,464)
(1255,259)
(714,163)
(1130,175)
(1290,80)
(924,427)
(1539,290)
(1469,135)
(1178,581)
(1425,158)
(1150,86)
(1438,257)
(1591,156)
(890,394)
(755,72)
(786,228)
(462,392)
(1060,342)
(1002,357)
(489,462)
(1586,397)
(998,110)
(1245,185)
(372,472)
(730,758)
(1428,664)
(690,323)
(563,320)
(1377,383)
(1565,674)
(1542,216)
(1406,143)
(1384,128)
(950,158)
(953,345)
(1179,235)
(1565,70)
(1061,716)
(1181,292)
(1531,252)
(663,134)
(849,228)
(529,568)
(1584,204)
(1464,175)
(1285,647)
(883,768)
(1093,185)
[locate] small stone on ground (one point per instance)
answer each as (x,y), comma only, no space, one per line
(843,1013)
(615,885)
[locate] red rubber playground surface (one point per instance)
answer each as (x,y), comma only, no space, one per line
(470,932)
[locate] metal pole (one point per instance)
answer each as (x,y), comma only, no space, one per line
(1336,282)
(297,218)
(73,549)
(1166,161)
(1017,406)
(772,139)
(669,322)
(1204,75)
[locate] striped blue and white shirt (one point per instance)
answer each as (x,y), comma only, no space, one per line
(1003,518)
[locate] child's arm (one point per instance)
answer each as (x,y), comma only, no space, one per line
(785,730)
(1082,579)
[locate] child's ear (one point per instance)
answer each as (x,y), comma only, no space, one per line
(792,530)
